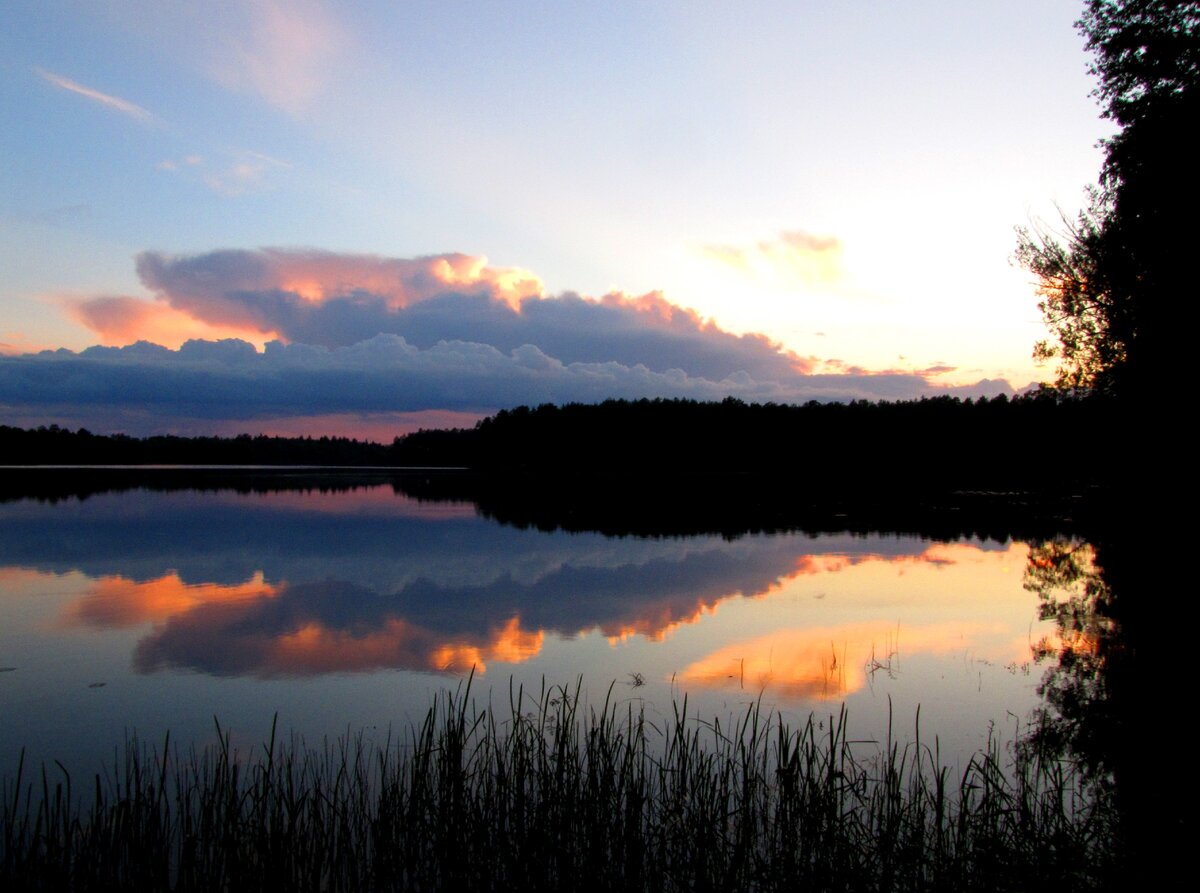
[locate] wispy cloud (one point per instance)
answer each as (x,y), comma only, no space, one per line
(237,173)
(116,103)
(792,255)
(283,52)
(268,159)
(237,179)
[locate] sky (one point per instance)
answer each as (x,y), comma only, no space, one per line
(361,218)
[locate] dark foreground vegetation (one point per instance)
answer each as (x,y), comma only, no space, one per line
(551,798)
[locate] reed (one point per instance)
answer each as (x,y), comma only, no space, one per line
(551,794)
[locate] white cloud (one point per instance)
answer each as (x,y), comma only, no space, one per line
(115,103)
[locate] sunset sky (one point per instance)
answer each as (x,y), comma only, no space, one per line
(415,213)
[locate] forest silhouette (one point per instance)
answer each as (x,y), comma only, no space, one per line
(933,445)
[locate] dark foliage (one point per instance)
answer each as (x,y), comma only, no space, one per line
(922,447)
(1117,283)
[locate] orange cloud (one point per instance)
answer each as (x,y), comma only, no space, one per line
(821,662)
(213,288)
(117,602)
(217,638)
(657,622)
(315,649)
(793,255)
(209,619)
(810,565)
(508,644)
(660,621)
(195,301)
(938,554)
(16,343)
(654,307)
(318,276)
(119,320)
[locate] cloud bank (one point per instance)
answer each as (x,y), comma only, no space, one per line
(364,334)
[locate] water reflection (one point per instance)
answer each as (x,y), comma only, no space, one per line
(342,605)
(472,595)
(116,602)
(1073,594)
(300,628)
(828,662)
(306,630)
(351,601)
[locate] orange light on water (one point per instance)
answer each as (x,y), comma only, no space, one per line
(823,663)
(120,602)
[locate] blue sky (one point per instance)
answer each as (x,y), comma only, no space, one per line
(842,179)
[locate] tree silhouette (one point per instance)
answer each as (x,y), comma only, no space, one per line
(1113,284)
(1091,328)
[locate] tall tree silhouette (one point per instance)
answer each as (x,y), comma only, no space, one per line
(1114,284)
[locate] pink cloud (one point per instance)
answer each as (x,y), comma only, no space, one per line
(282,51)
(220,287)
(120,320)
(336,300)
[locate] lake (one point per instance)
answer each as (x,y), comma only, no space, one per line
(346,604)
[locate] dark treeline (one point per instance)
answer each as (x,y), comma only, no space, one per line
(934,445)
(58,446)
(645,466)
(923,445)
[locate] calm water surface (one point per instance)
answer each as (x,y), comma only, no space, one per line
(147,610)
